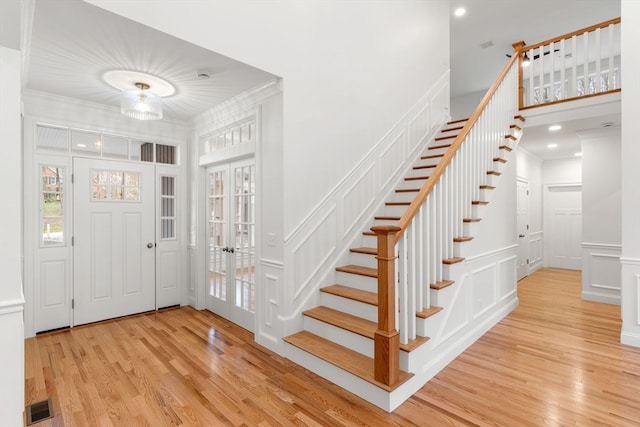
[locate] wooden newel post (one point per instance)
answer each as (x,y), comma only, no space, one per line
(386,339)
(518,47)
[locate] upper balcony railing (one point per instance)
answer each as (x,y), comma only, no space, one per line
(583,63)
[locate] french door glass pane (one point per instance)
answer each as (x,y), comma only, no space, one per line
(217,258)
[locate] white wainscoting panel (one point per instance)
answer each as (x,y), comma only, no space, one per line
(484,283)
(269,294)
(357,200)
(601,272)
(319,243)
(536,244)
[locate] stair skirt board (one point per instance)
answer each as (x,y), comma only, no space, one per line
(437,358)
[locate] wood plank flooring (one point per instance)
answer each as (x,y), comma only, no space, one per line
(554,361)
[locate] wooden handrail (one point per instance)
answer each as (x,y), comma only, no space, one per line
(575,33)
(417,202)
(386,339)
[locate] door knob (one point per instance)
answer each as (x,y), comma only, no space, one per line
(149,245)
(228,249)
(521,235)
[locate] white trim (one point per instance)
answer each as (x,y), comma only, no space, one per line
(479,257)
(630,339)
(272,263)
(601,245)
(630,261)
(613,288)
(12,306)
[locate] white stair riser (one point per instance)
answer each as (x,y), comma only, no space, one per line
(369,241)
(355,342)
(441,297)
(364,283)
(429,327)
(363,260)
(357,308)
(461,249)
(394,210)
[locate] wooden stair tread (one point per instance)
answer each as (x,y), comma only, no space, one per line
(387,218)
(511,137)
(358,269)
(451,129)
(519,117)
(436,147)
(505,147)
(454,260)
(368,233)
(443,138)
(487,187)
(431,156)
(397,203)
(365,297)
(462,239)
(514,126)
(424,167)
(348,322)
(479,202)
(407,190)
(471,220)
(342,357)
(366,251)
(416,178)
(496,173)
(357,325)
(457,121)
(428,312)
(441,285)
(499,159)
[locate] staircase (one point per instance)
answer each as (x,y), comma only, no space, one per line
(340,332)
(426,226)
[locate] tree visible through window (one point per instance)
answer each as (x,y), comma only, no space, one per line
(52,205)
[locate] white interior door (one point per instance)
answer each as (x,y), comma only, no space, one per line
(231,288)
(563,227)
(114,239)
(522,213)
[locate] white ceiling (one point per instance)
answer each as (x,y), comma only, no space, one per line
(504,22)
(74,43)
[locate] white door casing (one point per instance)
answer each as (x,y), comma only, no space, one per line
(522,214)
(563,226)
(231,258)
(114,239)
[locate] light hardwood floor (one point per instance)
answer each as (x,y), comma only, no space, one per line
(554,361)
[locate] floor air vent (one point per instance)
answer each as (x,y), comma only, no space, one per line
(39,411)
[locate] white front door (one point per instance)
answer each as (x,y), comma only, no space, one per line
(563,229)
(231,288)
(114,239)
(522,217)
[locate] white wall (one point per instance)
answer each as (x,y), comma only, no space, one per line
(464,105)
(601,208)
(630,171)
(562,171)
(351,70)
(11,297)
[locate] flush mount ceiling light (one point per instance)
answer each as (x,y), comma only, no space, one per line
(460,11)
(141,105)
(141,93)
(552,145)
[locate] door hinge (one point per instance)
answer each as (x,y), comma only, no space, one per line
(527,192)
(527,226)
(527,260)
(73,240)
(72,175)
(73,303)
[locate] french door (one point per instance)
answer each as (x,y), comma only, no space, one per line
(231,257)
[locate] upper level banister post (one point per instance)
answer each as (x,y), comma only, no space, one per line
(387,338)
(517,50)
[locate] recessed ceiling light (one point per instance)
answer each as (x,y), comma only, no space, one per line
(552,146)
(578,154)
(555,127)
(460,11)
(81,145)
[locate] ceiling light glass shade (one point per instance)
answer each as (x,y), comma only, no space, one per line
(140,104)
(525,61)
